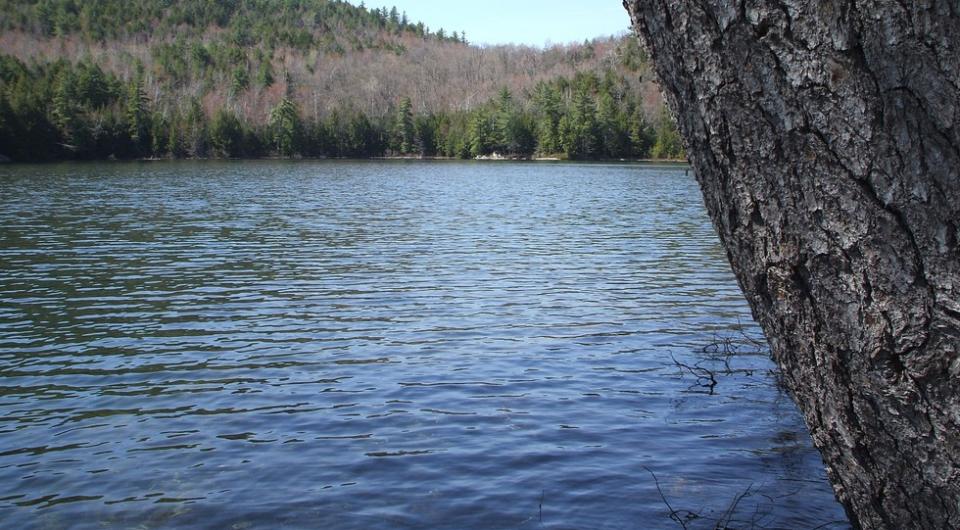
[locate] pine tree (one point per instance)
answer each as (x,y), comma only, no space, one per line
(226,134)
(286,127)
(642,134)
(196,137)
(505,133)
(393,23)
(426,134)
(138,115)
(403,128)
(547,100)
(480,135)
(241,80)
(65,111)
(175,144)
(584,127)
(567,136)
(614,138)
(91,86)
(265,74)
(668,144)
(159,129)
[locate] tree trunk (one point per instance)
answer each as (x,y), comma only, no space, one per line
(825,137)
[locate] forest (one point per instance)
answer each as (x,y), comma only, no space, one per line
(313,78)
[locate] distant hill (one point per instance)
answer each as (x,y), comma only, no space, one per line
(195,78)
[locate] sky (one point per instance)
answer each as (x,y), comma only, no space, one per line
(532,22)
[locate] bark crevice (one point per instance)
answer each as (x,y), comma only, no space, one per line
(824,138)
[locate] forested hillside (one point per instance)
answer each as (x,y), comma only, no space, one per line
(248,78)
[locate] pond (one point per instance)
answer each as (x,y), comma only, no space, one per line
(363,345)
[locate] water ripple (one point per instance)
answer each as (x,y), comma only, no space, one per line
(377,345)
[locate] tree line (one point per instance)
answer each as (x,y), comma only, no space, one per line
(63,110)
(314,78)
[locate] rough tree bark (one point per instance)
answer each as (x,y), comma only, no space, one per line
(825,137)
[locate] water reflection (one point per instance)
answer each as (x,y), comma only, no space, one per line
(377,345)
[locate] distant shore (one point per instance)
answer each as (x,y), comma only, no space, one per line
(537,159)
(7,161)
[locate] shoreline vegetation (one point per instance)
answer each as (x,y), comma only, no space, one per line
(140,79)
(401,158)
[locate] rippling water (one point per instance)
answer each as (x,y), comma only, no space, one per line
(381,345)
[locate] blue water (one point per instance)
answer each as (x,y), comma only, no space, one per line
(366,345)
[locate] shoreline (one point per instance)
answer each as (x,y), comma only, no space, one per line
(4,161)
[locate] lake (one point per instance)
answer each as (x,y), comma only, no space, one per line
(364,345)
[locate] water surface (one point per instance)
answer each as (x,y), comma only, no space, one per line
(366,345)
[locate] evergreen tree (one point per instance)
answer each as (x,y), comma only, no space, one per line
(138,116)
(633,56)
(567,135)
(361,138)
(547,100)
(668,144)
(159,129)
(318,139)
(241,80)
(66,113)
(196,138)
(286,127)
(642,135)
(92,88)
(175,145)
(480,135)
(199,56)
(403,128)
(265,74)
(426,135)
(505,139)
(8,128)
(584,132)
(226,134)
(614,134)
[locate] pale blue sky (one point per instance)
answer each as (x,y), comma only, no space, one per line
(533,22)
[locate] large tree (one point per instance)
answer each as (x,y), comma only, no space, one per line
(825,137)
